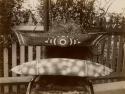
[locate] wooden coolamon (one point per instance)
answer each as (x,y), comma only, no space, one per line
(113,57)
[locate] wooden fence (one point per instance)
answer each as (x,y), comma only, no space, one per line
(11,83)
(16,55)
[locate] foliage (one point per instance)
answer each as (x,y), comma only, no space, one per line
(69,27)
(81,11)
(6,23)
(70,12)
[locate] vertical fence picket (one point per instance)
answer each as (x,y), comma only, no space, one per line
(43,52)
(14,56)
(123,29)
(120,55)
(108,52)
(38,52)
(123,60)
(108,48)
(30,53)
(114,55)
(6,68)
(38,55)
(22,60)
(22,54)
(14,63)
(115,52)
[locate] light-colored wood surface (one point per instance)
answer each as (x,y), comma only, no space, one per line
(14,63)
(124,60)
(10,80)
(30,53)
(22,59)
(6,68)
(110,87)
(22,54)
(14,57)
(38,53)
(29,28)
(106,88)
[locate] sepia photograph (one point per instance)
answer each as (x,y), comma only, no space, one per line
(62,46)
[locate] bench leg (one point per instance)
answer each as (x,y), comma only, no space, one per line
(91,88)
(90,84)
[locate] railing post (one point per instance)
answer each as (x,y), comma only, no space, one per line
(124,60)
(22,60)
(30,53)
(123,29)
(38,52)
(43,50)
(14,62)
(6,68)
(22,54)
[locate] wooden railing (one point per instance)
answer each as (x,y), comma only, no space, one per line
(14,56)
(113,57)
